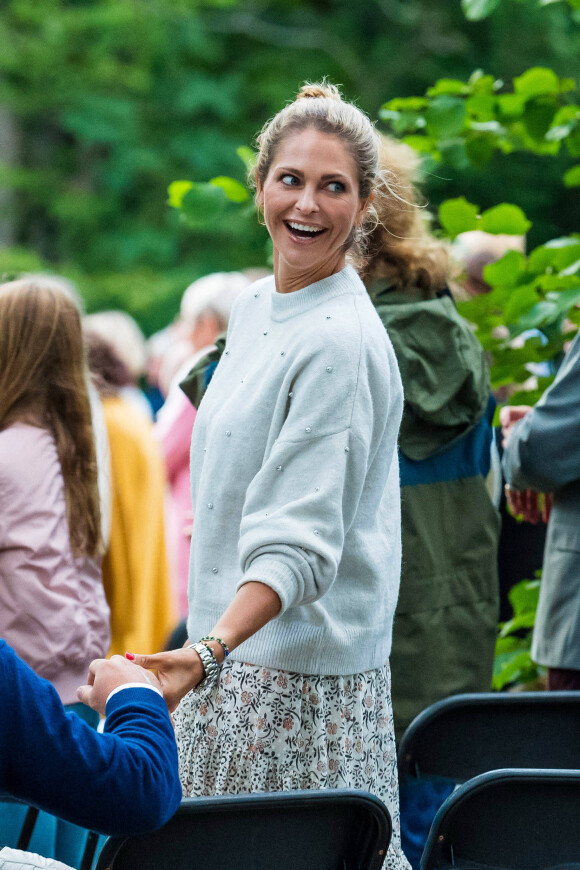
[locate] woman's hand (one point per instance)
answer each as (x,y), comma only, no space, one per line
(178,671)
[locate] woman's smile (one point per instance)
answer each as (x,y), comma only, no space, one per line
(304,232)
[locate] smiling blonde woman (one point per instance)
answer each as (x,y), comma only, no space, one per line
(296,547)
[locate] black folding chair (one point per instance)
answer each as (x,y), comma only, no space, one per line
(509,820)
(302,830)
(465,735)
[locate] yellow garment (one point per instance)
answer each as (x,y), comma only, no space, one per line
(135,568)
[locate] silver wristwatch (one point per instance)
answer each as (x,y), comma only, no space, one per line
(209,663)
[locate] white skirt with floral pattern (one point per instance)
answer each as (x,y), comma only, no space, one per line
(262,729)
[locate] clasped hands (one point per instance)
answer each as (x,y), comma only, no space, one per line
(177,672)
(532,506)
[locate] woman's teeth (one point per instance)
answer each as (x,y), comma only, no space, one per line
(304,228)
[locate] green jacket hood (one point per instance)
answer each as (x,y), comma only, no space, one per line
(443,369)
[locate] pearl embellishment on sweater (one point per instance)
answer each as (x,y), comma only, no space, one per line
(228,433)
(278,468)
(214,570)
(308,429)
(210,505)
(328,368)
(282,353)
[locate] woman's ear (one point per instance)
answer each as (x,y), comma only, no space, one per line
(259,191)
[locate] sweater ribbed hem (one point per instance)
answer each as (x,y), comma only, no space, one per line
(305,648)
(286,305)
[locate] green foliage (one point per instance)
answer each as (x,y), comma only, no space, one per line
(476,10)
(109,101)
(513,664)
(459,216)
(538,292)
(464,123)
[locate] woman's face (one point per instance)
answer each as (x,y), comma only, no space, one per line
(311,202)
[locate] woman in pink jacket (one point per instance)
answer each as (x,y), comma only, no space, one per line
(53,610)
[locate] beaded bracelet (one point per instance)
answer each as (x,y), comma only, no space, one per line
(221,642)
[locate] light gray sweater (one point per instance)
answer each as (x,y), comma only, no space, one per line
(295,477)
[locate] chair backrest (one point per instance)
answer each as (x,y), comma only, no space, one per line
(509,819)
(465,735)
(332,829)
(28,822)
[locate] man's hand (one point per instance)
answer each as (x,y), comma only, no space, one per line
(509,415)
(532,506)
(108,674)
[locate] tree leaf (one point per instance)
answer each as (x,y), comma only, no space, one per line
(423,144)
(572,177)
(234,190)
(458,216)
(176,191)
(476,10)
(480,147)
(511,105)
(537,81)
(203,205)
(406,104)
(247,156)
(505,219)
(526,619)
(539,115)
(445,116)
(507,270)
(524,596)
(448,86)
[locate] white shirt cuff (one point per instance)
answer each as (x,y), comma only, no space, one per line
(133,686)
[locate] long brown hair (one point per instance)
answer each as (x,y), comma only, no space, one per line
(401,251)
(43,382)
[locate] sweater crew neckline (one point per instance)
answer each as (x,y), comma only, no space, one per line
(287,305)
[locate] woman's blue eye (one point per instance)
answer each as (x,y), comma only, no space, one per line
(336,187)
(289,179)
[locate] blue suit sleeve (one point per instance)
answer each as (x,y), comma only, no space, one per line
(122,782)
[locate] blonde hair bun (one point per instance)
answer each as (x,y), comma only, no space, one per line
(318,90)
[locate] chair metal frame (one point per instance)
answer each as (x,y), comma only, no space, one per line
(347,830)
(516,819)
(466,735)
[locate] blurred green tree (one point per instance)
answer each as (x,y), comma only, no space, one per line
(104,102)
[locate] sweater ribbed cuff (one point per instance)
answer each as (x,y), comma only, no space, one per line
(276,575)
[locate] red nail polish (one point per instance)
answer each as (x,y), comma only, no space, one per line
(129,656)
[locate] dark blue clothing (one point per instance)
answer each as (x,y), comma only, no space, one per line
(122,782)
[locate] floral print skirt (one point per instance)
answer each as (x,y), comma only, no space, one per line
(262,729)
